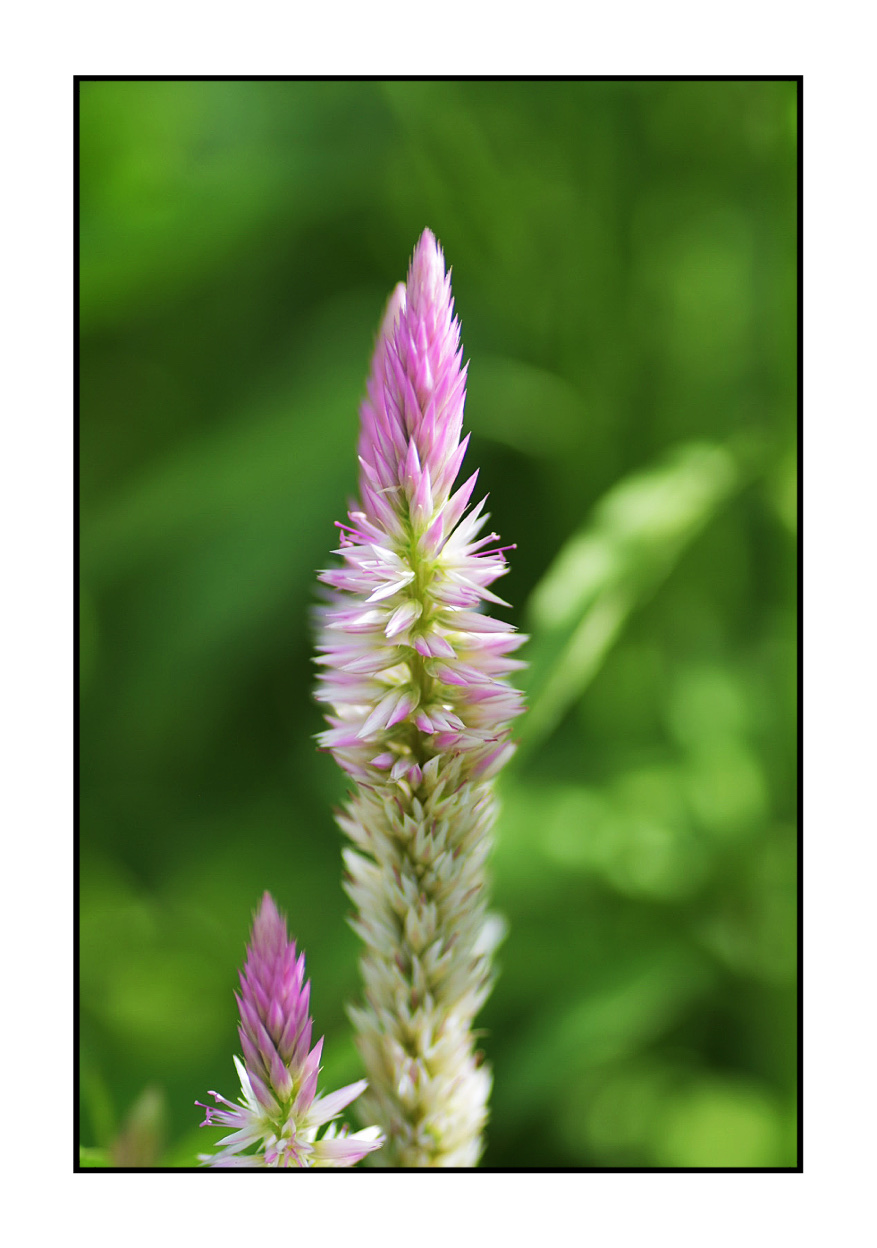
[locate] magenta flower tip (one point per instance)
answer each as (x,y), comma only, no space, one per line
(426,274)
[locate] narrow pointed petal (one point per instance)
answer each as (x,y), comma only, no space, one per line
(325,1108)
(347,1150)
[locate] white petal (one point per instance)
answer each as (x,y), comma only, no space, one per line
(386,591)
(347,1150)
(326,1107)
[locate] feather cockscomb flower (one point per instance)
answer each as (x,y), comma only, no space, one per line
(419,709)
(279,1114)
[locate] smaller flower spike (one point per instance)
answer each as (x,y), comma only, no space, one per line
(279,1114)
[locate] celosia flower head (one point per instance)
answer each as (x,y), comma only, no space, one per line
(280,1113)
(415,678)
(412,666)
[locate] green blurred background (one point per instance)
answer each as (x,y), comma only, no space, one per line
(624,265)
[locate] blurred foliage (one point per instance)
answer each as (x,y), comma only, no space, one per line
(624,263)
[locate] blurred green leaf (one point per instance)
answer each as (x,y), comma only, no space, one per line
(620,557)
(93,1158)
(142,1138)
(613,1021)
(717,1122)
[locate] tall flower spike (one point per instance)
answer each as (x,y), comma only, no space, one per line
(419,712)
(279,1115)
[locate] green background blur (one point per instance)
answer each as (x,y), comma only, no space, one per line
(624,267)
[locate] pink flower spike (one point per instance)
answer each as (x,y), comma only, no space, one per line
(415,680)
(274,1124)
